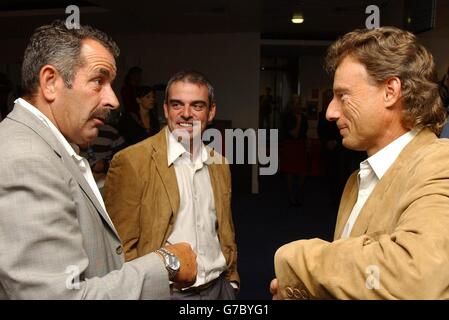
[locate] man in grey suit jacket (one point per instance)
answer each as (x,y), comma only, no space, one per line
(56,238)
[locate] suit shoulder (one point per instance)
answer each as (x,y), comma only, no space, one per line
(17,140)
(431,159)
(135,149)
(137,152)
(438,148)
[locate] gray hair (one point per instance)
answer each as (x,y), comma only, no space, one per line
(195,77)
(56,45)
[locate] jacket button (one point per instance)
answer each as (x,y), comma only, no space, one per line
(297,294)
(305,295)
(119,250)
(289,292)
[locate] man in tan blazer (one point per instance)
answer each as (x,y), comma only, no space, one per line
(171,188)
(391,238)
(56,238)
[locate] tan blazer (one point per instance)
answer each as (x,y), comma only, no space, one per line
(142,198)
(399,246)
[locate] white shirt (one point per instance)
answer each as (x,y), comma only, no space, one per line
(81,162)
(197,218)
(371,171)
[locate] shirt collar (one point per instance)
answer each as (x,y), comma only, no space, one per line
(382,160)
(175,149)
(70,148)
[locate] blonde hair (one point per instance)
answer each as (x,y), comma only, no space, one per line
(391,52)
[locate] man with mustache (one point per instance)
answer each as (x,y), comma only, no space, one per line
(56,238)
(391,239)
(171,188)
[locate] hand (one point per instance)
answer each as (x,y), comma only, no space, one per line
(274,289)
(186,275)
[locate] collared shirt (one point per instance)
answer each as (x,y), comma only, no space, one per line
(371,171)
(81,162)
(196,219)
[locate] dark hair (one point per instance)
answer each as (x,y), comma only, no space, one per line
(391,52)
(143,91)
(191,76)
(60,47)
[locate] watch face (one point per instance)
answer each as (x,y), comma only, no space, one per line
(173,262)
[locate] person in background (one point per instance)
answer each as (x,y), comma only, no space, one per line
(132,82)
(265,108)
(99,152)
(146,98)
(294,151)
(136,127)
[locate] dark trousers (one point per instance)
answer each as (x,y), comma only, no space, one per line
(218,289)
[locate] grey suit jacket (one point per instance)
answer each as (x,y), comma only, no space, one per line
(55,239)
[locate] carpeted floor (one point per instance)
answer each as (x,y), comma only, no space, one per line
(265,221)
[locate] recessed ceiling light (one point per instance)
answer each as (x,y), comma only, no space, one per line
(297,18)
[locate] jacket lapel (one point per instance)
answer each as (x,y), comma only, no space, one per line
(376,199)
(21,115)
(348,201)
(218,194)
(166,173)
(75,171)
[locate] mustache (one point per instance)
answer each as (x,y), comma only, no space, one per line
(101,113)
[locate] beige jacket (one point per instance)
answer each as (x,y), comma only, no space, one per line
(399,246)
(142,198)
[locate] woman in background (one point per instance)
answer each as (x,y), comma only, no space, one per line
(294,150)
(136,127)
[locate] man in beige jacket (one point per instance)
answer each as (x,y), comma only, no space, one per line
(391,238)
(171,188)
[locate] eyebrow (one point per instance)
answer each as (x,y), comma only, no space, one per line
(199,102)
(103,72)
(338,90)
(192,103)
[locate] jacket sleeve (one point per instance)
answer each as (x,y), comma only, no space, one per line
(411,262)
(42,255)
(229,241)
(122,197)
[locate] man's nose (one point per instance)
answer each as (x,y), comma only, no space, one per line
(333,111)
(186,112)
(111,98)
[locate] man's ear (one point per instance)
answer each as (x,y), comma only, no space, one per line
(48,78)
(393,91)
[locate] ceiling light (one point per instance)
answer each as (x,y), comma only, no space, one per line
(297,18)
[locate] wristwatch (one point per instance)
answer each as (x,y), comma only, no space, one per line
(171,262)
